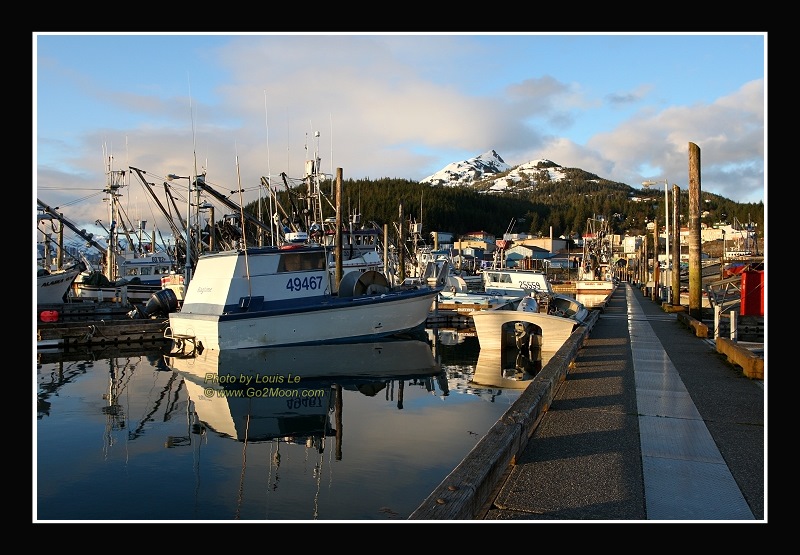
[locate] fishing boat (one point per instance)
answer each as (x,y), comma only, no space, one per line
(553,315)
(53,277)
(456,295)
(466,303)
(457,266)
(515,281)
(361,244)
(596,274)
(544,320)
(311,219)
(132,264)
(135,279)
(52,286)
(274,296)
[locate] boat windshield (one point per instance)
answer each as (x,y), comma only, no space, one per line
(301,261)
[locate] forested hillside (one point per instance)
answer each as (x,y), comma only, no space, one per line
(532,208)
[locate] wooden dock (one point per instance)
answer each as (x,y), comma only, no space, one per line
(100,332)
(85,310)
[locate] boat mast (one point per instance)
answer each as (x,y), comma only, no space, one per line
(114,182)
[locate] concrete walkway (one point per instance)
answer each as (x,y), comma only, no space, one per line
(650,424)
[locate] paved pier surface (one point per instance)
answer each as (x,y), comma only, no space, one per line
(634,419)
(651,423)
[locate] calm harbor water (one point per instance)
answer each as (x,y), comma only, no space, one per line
(348,433)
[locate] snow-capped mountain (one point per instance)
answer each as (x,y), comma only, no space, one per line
(487,165)
(494,175)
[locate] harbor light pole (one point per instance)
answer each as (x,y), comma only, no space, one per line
(667,280)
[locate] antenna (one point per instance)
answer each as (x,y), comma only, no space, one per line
(332,172)
(244,226)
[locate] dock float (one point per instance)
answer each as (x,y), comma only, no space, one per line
(100,332)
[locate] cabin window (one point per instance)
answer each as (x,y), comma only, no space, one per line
(301,261)
(145,271)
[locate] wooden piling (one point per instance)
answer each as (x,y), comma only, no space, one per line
(695,246)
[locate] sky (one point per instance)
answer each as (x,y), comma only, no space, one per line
(239,107)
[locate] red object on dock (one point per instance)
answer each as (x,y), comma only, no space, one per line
(752,294)
(49,316)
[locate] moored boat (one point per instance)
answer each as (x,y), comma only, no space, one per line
(543,320)
(596,274)
(135,279)
(515,281)
(273,296)
(457,297)
(52,286)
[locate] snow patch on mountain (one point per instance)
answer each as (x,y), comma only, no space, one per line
(485,166)
(490,169)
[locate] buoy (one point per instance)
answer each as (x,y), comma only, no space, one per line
(49,316)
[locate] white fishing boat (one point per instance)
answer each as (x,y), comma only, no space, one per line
(135,279)
(361,245)
(132,265)
(515,281)
(52,285)
(543,320)
(456,295)
(456,265)
(596,274)
(274,296)
(53,277)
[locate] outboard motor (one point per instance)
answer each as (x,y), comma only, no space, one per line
(528,304)
(161,303)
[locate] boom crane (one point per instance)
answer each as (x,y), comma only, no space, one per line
(88,237)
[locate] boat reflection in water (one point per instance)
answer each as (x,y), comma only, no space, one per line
(288,393)
(289,397)
(592,300)
(510,368)
(140,435)
(450,336)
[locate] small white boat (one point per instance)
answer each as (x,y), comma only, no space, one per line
(274,296)
(544,320)
(457,297)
